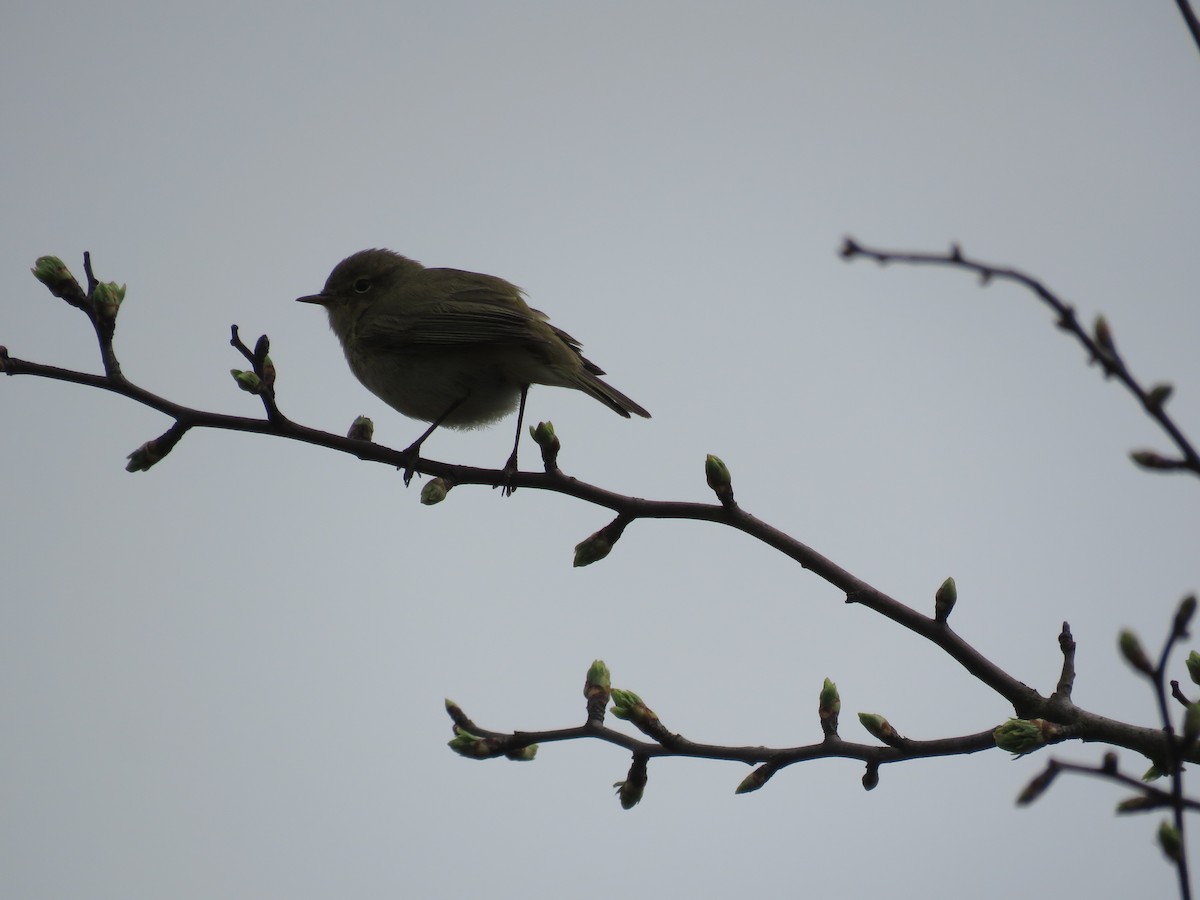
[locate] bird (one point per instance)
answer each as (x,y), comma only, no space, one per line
(453,348)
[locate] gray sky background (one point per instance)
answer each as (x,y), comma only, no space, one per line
(224,678)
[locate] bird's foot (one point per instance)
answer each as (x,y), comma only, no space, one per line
(411,457)
(506,475)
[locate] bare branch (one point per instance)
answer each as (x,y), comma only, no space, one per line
(1099,345)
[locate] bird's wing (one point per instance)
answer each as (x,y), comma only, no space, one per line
(451,307)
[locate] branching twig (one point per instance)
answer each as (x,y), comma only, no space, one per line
(1100,346)
(676,746)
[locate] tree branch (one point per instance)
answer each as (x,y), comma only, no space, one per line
(1099,345)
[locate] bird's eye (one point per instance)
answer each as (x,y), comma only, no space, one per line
(362,285)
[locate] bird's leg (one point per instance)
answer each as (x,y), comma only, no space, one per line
(510,467)
(412,453)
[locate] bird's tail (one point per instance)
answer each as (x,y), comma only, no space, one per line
(590,383)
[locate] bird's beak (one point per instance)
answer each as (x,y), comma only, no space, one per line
(319,299)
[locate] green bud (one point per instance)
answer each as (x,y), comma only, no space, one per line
(1158,395)
(525,754)
(716,473)
(879,727)
(756,779)
(1019,736)
(630,790)
(435,491)
(1137,804)
(829,706)
(592,549)
(1131,649)
(597,688)
(625,702)
(599,675)
(543,434)
(156,450)
(141,459)
(51,271)
(470,745)
(1170,840)
(107,299)
(629,706)
(361,429)
(944,600)
(247,381)
(1152,774)
(596,546)
(54,274)
(1193,666)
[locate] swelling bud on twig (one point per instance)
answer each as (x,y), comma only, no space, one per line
(361,429)
(1158,395)
(879,727)
(523,754)
(470,745)
(1139,804)
(630,790)
(247,381)
(829,706)
(592,549)
(944,600)
(1021,736)
(152,452)
(145,456)
(629,706)
(1170,840)
(1131,649)
(544,436)
(54,274)
(716,473)
(107,299)
(870,779)
(597,688)
(596,546)
(756,779)
(1149,459)
(435,491)
(1193,666)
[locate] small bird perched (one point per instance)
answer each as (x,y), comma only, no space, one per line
(450,347)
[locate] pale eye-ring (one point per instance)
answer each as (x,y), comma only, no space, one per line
(362,285)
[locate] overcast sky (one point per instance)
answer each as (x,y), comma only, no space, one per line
(224,677)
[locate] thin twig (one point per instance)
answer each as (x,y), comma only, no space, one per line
(1100,347)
